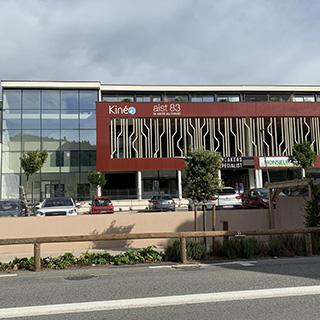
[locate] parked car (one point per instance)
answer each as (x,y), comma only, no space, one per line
(101,205)
(162,203)
(10,208)
(256,198)
(225,198)
(59,206)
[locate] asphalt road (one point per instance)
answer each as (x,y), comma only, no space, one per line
(292,279)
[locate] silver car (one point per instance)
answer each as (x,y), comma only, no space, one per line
(59,206)
(162,203)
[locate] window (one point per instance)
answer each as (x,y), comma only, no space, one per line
(88,119)
(88,100)
(69,100)
(202,98)
(256,97)
(11,99)
(228,98)
(177,98)
(50,99)
(31,99)
(303,98)
(279,97)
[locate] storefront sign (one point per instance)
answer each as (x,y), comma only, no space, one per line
(122,110)
(275,162)
(237,162)
(166,109)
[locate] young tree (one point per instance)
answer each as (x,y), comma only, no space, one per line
(201,179)
(97,179)
(303,155)
(31,162)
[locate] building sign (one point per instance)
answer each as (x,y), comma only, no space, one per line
(237,162)
(275,162)
(122,110)
(167,109)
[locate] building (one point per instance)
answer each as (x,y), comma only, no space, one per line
(140,135)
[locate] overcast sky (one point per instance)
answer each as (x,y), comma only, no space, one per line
(161,42)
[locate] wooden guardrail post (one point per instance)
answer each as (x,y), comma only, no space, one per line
(37,257)
(183,250)
(308,244)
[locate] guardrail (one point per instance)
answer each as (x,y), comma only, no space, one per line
(37,241)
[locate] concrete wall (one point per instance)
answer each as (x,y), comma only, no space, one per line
(289,214)
(119,223)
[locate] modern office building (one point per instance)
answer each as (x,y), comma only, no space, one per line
(139,135)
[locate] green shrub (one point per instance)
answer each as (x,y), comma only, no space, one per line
(195,250)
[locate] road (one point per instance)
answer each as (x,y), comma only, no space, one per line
(231,290)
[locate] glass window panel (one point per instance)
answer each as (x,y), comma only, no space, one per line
(126,98)
(318,98)
(177,98)
(231,98)
(50,99)
(11,119)
(51,164)
(256,97)
(30,140)
(87,160)
(88,119)
(31,99)
(69,140)
(50,119)
(10,183)
(110,98)
(308,99)
(87,139)
(297,99)
(31,120)
(196,99)
(50,139)
(50,185)
(88,99)
(156,99)
(11,140)
(202,98)
(11,162)
(11,99)
(70,182)
(70,161)
(69,119)
(83,191)
(143,99)
(279,97)
(208,98)
(69,100)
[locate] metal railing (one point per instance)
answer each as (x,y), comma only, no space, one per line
(37,241)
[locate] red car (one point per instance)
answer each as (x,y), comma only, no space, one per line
(101,205)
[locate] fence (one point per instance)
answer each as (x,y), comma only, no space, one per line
(162,235)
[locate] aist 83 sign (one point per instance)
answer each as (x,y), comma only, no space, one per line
(167,109)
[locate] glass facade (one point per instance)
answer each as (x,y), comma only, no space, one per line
(49,120)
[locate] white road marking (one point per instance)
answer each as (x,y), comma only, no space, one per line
(242,263)
(149,302)
(8,275)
